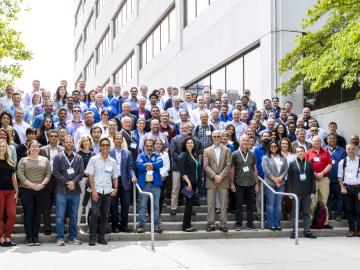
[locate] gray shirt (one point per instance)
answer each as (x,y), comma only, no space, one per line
(103,171)
(244,166)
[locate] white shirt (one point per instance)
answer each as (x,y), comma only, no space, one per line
(195,115)
(103,172)
(53,152)
(4,103)
(81,132)
(352,175)
(240,128)
(278,163)
(118,160)
(174,114)
(217,150)
(164,170)
(21,130)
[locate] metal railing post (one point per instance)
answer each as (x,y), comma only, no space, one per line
(296,206)
(152,232)
(134,206)
(262,204)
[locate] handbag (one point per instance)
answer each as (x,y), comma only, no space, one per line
(187,193)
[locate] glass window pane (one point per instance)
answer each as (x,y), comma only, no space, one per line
(128,9)
(132,5)
(133,70)
(124,75)
(172,20)
(252,73)
(190,11)
(234,79)
(124,8)
(128,70)
(164,32)
(143,54)
(149,48)
(218,80)
(203,83)
(157,41)
(201,5)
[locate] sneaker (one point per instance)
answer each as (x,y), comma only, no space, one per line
(9,243)
(309,235)
(278,228)
(158,230)
(210,228)
(327,226)
(29,242)
(238,228)
(190,230)
(36,241)
(217,211)
(141,229)
(251,227)
(60,243)
(82,232)
(75,242)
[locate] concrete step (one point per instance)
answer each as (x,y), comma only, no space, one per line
(180,235)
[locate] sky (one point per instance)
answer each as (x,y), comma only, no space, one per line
(48,31)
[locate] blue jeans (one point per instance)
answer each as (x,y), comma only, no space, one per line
(72,203)
(273,206)
(143,198)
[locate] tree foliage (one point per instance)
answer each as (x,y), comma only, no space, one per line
(331,54)
(12,49)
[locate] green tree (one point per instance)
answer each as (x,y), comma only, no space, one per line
(332,54)
(12,49)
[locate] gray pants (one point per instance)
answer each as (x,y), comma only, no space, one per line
(211,198)
(175,189)
(304,204)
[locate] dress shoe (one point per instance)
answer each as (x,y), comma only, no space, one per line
(210,229)
(115,230)
(190,230)
(193,213)
(292,235)
(92,243)
(309,235)
(47,232)
(102,241)
(124,229)
(350,234)
(158,230)
(278,228)
(327,226)
(224,229)
(173,213)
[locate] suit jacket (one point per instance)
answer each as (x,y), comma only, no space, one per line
(270,169)
(45,151)
(212,169)
(136,113)
(126,167)
(296,144)
(175,151)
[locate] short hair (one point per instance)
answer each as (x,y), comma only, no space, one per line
(155,107)
(88,112)
(125,118)
(62,109)
(30,130)
(148,139)
(276,98)
(301,147)
(331,134)
(298,130)
(53,131)
(81,142)
(104,139)
(93,128)
(332,123)
(153,95)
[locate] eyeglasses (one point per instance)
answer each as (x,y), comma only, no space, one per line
(216,137)
(105,145)
(76,111)
(274,146)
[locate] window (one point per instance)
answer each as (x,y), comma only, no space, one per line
(103,46)
(158,38)
(193,8)
(236,75)
(78,49)
(78,13)
(99,6)
(123,14)
(125,72)
(89,27)
(90,68)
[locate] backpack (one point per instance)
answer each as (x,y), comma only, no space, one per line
(319,216)
(344,166)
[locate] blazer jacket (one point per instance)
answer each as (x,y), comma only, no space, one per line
(212,169)
(270,169)
(126,167)
(45,151)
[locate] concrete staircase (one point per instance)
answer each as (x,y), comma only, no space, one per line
(172,227)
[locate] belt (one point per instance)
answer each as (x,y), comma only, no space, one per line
(353,186)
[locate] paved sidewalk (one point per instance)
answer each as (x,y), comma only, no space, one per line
(280,253)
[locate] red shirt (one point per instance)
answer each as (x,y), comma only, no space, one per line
(319,160)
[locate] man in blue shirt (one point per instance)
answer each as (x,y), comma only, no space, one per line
(48,104)
(337,153)
(149,164)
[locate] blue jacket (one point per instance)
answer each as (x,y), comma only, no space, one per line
(97,115)
(259,152)
(338,154)
(157,163)
(113,102)
(126,167)
(40,118)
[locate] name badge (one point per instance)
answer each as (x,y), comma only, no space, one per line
(149,176)
(166,133)
(70,171)
(316,159)
(246,169)
(208,133)
(302,177)
(333,161)
(108,169)
(133,145)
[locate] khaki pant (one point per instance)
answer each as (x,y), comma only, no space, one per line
(211,198)
(322,194)
(175,189)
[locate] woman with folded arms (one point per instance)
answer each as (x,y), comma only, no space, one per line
(8,194)
(33,173)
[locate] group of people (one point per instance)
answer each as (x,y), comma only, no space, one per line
(82,150)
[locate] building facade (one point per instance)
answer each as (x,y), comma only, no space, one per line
(227,44)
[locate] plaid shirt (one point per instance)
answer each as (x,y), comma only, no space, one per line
(203,133)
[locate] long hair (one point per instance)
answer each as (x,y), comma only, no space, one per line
(81,142)
(277,131)
(9,115)
(57,94)
(42,127)
(7,135)
(193,151)
(7,153)
(268,152)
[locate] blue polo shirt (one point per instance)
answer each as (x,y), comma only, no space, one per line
(337,154)
(259,152)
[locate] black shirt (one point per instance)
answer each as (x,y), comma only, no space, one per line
(6,176)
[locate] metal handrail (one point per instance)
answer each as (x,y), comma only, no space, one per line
(284,194)
(136,186)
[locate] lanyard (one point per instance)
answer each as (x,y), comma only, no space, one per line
(247,153)
(299,166)
(332,152)
(70,163)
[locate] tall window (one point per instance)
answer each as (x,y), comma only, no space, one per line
(126,71)
(89,27)
(78,13)
(99,6)
(103,46)
(90,68)
(161,35)
(240,73)
(123,14)
(78,49)
(193,8)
